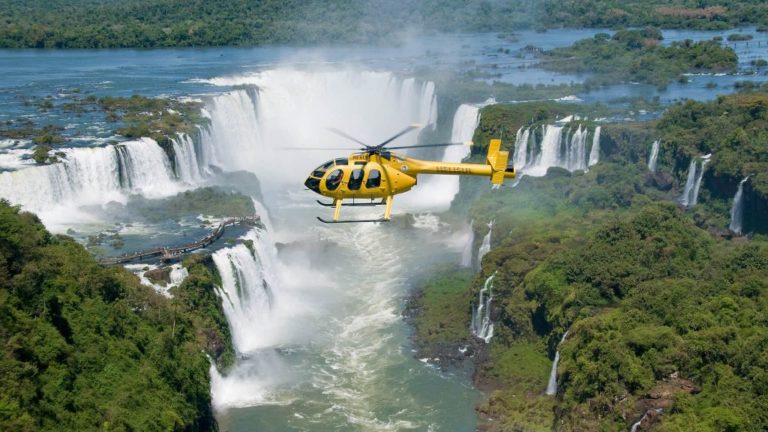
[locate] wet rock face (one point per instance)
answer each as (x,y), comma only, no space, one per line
(160,276)
(650,409)
(660,180)
(755,211)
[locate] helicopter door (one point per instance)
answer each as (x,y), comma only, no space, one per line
(355,180)
(333,180)
(374,179)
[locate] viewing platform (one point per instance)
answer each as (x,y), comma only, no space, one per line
(167,254)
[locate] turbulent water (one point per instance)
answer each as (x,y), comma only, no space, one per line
(652,159)
(317,327)
(560,146)
(481,325)
(737,209)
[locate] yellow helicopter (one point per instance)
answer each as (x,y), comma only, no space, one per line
(374,175)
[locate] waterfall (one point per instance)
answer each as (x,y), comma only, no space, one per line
(693,182)
(290,108)
(560,146)
(552,384)
(481,325)
(88,176)
(737,209)
(485,246)
(178,274)
(466,253)
(186,159)
(520,157)
(247,278)
(594,152)
(654,156)
(549,155)
(637,424)
(697,186)
(435,193)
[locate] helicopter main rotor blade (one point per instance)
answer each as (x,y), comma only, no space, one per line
(467,143)
(399,134)
(320,148)
(345,135)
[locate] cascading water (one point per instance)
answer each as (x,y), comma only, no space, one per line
(654,156)
(737,209)
(693,182)
(249,126)
(594,152)
(560,146)
(466,253)
(326,342)
(576,151)
(187,162)
(246,293)
(485,246)
(481,325)
(636,425)
(552,384)
(520,156)
(90,176)
(436,192)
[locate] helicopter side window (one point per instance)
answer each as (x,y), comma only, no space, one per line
(341,161)
(355,180)
(374,179)
(334,180)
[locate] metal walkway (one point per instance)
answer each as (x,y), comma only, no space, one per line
(173,253)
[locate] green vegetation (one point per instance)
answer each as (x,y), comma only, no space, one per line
(208,201)
(133,117)
(179,23)
(636,55)
(158,118)
(738,37)
(701,15)
(661,312)
(732,128)
(86,347)
(442,304)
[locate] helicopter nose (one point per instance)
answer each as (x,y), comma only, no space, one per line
(313,184)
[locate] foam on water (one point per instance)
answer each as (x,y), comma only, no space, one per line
(90,176)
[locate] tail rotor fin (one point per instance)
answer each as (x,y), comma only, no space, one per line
(498,160)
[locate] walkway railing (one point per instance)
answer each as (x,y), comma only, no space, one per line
(173,253)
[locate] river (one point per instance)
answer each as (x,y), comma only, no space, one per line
(321,345)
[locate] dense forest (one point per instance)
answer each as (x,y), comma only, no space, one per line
(178,23)
(665,310)
(90,348)
(638,56)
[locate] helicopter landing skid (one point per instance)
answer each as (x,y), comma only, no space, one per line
(350,220)
(353,204)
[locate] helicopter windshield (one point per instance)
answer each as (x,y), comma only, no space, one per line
(319,171)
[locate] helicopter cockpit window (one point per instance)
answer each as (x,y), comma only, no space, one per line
(341,161)
(313,184)
(319,171)
(356,180)
(374,179)
(334,180)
